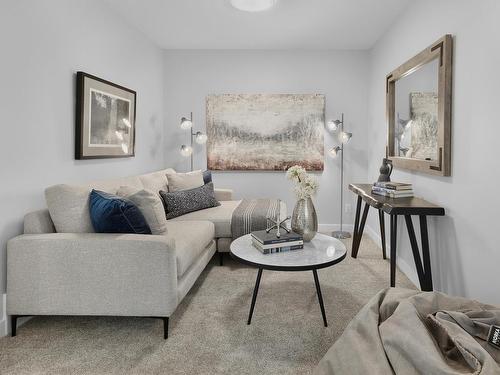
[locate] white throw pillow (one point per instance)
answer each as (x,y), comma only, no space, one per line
(151,206)
(184,181)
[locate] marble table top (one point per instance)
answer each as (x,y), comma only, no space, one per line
(323,251)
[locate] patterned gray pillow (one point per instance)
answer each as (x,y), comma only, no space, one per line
(178,203)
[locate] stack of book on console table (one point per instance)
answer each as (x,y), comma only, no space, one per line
(268,243)
(393,189)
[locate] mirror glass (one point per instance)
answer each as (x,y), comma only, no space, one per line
(416,107)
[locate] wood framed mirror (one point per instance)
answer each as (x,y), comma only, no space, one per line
(418,111)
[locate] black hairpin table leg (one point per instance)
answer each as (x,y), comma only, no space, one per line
(425,255)
(382,230)
(320,297)
(254,297)
(357,240)
(394,232)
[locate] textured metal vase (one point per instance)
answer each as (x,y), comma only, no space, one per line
(304,219)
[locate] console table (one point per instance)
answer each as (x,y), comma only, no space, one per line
(397,207)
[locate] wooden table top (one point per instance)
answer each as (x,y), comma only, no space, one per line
(396,206)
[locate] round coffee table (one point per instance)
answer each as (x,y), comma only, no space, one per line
(323,251)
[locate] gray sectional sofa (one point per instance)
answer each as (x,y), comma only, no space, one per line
(59,267)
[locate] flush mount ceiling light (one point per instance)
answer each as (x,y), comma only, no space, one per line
(253,5)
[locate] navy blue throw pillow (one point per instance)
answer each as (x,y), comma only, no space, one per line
(112,214)
(207,177)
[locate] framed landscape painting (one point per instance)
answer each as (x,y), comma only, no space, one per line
(105,119)
(265,131)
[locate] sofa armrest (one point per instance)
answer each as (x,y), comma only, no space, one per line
(91,274)
(223,194)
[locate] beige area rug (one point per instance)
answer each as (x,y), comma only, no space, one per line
(208,332)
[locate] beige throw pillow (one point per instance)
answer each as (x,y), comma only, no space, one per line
(69,208)
(149,204)
(184,181)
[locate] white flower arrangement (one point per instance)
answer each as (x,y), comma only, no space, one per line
(306,185)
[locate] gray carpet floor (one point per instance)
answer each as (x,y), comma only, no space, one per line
(208,331)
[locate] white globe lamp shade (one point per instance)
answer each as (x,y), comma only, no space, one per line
(334,152)
(186,151)
(200,138)
(345,137)
(186,123)
(333,125)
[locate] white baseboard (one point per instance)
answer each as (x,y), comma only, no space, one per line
(408,270)
(3,316)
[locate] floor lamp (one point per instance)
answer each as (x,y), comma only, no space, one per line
(344,137)
(198,137)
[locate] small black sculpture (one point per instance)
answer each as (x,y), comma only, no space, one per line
(385,171)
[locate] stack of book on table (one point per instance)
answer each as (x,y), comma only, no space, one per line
(268,243)
(393,189)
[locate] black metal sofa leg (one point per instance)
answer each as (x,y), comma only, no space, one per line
(13,324)
(165,328)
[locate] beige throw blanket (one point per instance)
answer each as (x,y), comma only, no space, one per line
(252,214)
(410,332)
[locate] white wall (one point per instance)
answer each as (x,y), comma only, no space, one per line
(43,44)
(464,244)
(342,76)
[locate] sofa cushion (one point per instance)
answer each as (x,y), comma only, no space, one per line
(191,239)
(184,181)
(112,214)
(223,194)
(37,222)
(111,186)
(151,206)
(224,244)
(207,177)
(156,181)
(69,204)
(220,216)
(69,208)
(178,203)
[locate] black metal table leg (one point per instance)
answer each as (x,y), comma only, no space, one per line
(356,224)
(382,230)
(254,297)
(394,231)
(357,240)
(357,220)
(425,254)
(415,251)
(320,297)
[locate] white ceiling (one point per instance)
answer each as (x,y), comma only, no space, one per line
(291,24)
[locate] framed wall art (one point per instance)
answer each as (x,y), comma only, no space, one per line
(105,119)
(265,131)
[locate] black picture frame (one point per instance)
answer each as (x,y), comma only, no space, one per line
(86,86)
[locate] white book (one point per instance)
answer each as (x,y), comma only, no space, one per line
(276,245)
